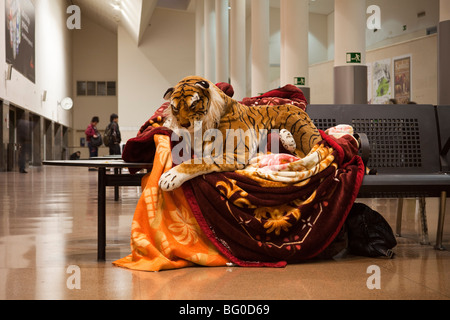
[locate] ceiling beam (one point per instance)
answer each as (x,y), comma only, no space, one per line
(148,7)
(136,16)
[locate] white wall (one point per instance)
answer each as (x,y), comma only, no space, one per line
(94,59)
(318,38)
(53,50)
(165,56)
(395,14)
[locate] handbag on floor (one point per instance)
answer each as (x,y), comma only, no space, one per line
(369,234)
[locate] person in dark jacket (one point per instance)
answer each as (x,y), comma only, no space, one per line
(24,141)
(114,135)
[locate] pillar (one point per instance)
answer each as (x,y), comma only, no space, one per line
(444,53)
(210,40)
(350,71)
(238,49)
(199,38)
(222,36)
(260,46)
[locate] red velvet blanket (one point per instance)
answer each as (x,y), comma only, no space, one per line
(253,223)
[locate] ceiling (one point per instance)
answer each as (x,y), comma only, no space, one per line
(135,15)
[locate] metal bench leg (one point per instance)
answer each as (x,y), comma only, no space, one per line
(440,228)
(398,226)
(116,188)
(101,215)
(423,221)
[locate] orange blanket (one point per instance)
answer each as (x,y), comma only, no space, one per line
(164,232)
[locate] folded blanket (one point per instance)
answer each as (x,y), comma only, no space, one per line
(288,94)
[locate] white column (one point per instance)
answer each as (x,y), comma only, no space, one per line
(210,40)
(222,40)
(238,49)
(294,54)
(199,38)
(350,70)
(260,46)
(349,30)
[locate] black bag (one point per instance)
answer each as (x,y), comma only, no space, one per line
(107,138)
(97,142)
(369,234)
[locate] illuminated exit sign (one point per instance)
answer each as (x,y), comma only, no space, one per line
(354,57)
(300,81)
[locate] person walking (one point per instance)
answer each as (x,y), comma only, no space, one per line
(24,141)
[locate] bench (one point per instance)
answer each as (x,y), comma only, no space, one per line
(117,179)
(404,147)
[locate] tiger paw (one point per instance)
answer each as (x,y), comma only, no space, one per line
(287,140)
(171,180)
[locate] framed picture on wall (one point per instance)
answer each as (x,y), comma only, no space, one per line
(369,82)
(402,79)
(20,41)
(381,81)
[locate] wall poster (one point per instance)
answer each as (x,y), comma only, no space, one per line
(20,36)
(402,79)
(381,81)
(369,83)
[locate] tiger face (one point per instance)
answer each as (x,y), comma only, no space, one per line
(191,100)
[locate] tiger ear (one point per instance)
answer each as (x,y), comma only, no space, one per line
(203,84)
(168,94)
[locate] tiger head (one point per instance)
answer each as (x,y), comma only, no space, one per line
(195,99)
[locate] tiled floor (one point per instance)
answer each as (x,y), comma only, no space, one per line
(48,223)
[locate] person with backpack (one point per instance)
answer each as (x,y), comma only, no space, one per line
(112,135)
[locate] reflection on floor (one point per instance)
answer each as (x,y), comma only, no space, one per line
(48,223)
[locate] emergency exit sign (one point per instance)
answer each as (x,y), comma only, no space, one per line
(300,81)
(354,57)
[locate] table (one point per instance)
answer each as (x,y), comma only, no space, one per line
(116,170)
(105,180)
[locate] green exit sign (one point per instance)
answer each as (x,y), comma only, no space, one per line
(300,81)
(354,57)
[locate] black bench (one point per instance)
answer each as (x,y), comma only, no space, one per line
(403,147)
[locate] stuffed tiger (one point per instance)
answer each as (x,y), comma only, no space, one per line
(231,132)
